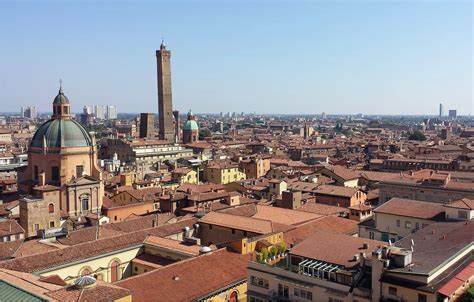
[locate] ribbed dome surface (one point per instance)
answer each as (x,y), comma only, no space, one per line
(191,125)
(61,98)
(61,133)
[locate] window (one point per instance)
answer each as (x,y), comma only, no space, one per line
(79,171)
(210,227)
(398,222)
(115,217)
(303,294)
(422,298)
(283,290)
(254,299)
(233,231)
(392,291)
(51,208)
(424,225)
(462,214)
(371,235)
(55,173)
(36,227)
(408,224)
(260,282)
(35,172)
(335,300)
(417,225)
(85,203)
(51,224)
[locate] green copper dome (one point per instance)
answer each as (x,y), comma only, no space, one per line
(191,125)
(61,133)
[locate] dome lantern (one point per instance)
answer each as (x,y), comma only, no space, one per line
(61,106)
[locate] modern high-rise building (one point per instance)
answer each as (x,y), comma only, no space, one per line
(453,113)
(29,112)
(147,125)
(111,112)
(87,110)
(441,110)
(165,103)
(99,112)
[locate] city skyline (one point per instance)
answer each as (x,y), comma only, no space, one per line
(338,61)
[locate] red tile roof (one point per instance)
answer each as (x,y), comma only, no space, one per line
(334,248)
(189,279)
(412,208)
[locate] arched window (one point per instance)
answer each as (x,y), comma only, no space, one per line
(85,271)
(234,297)
(51,208)
(114,271)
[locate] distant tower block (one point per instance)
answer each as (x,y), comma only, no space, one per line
(177,127)
(165,103)
(147,125)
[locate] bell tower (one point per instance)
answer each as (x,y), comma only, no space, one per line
(165,103)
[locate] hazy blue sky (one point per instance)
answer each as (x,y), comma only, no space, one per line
(378,57)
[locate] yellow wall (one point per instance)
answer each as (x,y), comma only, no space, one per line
(406,293)
(99,265)
(223,176)
(224,296)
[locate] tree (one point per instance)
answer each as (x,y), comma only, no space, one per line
(264,253)
(417,136)
(282,247)
(273,251)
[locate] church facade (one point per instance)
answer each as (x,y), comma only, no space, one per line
(62,157)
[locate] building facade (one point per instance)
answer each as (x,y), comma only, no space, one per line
(63,156)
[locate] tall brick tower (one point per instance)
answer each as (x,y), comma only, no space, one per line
(165,103)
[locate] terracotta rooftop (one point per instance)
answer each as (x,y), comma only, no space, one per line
(250,224)
(102,292)
(84,250)
(334,248)
(189,279)
(283,216)
(328,224)
(9,227)
(336,191)
(28,282)
(436,243)
(465,203)
(321,209)
(171,244)
(412,208)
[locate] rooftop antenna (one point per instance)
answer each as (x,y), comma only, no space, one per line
(60,85)
(390,242)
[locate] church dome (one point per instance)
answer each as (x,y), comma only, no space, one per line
(61,133)
(191,125)
(61,98)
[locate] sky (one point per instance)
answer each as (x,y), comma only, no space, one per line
(338,57)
